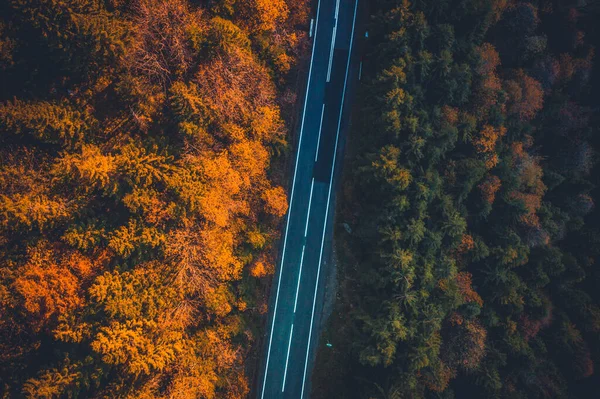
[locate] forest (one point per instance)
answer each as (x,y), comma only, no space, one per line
(142,146)
(468,267)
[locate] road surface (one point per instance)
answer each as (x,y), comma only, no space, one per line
(291,335)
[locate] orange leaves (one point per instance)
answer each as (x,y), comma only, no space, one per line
(263,266)
(463,280)
(203,260)
(91,167)
(219,301)
(466,244)
(270,13)
(531,187)
(233,86)
(485,144)
(50,283)
(251,159)
(132,344)
(138,331)
(218,201)
(476,336)
(450,115)
(275,201)
(48,291)
(490,85)
(26,199)
(490,59)
(267,123)
(439,378)
(166,37)
(25,210)
(217,254)
(489,187)
(526,96)
(466,346)
(258,270)
(264,15)
(149,204)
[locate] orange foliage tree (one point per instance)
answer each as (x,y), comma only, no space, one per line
(489,187)
(526,96)
(489,86)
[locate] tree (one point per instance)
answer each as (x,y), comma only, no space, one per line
(263,15)
(275,201)
(166,37)
(526,96)
(489,85)
(386,167)
(48,287)
(51,122)
(465,347)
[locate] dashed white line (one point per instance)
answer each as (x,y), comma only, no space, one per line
(337,10)
(320,128)
(287,358)
(312,185)
(360,71)
(327,206)
(291,201)
(299,277)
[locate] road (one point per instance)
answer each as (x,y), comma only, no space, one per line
(292,329)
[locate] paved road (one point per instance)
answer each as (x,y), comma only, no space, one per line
(291,334)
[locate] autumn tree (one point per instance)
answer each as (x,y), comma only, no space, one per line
(526,96)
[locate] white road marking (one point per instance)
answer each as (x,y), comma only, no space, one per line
(312,185)
(287,358)
(291,201)
(299,277)
(312,25)
(328,199)
(320,128)
(360,71)
(337,10)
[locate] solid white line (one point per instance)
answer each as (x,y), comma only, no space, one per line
(328,199)
(320,128)
(287,358)
(291,201)
(312,184)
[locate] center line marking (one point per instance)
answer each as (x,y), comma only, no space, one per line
(327,206)
(320,128)
(312,185)
(299,277)
(287,358)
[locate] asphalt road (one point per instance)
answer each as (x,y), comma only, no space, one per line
(292,330)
